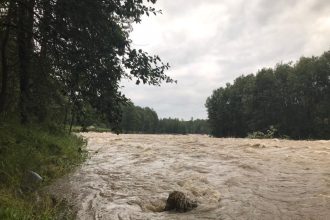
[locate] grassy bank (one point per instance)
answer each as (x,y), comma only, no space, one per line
(45,150)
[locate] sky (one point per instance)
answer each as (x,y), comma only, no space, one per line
(209,43)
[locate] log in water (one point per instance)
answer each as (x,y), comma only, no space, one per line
(131,176)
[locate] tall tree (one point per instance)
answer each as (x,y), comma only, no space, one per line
(74,52)
(290,100)
(25,22)
(6,20)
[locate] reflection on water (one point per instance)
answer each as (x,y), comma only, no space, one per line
(130,177)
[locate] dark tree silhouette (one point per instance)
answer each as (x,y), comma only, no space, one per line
(67,54)
(292,99)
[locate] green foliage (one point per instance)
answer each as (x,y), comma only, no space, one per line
(176,126)
(138,120)
(270,133)
(63,60)
(145,120)
(45,150)
(294,98)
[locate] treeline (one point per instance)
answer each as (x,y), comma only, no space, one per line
(62,60)
(145,120)
(291,100)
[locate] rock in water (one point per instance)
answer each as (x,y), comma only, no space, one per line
(31,181)
(179,202)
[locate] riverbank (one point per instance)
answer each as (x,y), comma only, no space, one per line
(46,150)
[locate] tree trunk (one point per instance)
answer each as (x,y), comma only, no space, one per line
(72,119)
(4,69)
(41,78)
(25,50)
(65,117)
(4,63)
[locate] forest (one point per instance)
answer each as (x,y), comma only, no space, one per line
(291,100)
(145,120)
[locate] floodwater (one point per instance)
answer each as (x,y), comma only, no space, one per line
(130,177)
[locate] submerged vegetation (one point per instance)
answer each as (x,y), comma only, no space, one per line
(292,99)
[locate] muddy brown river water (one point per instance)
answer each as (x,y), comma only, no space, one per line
(130,177)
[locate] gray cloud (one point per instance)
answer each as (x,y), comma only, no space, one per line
(210,43)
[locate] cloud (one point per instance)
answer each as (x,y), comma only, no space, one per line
(209,43)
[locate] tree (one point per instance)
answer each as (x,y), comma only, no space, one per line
(145,120)
(81,49)
(291,99)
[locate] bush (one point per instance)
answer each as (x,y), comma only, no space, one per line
(270,133)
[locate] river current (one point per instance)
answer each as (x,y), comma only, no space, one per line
(131,176)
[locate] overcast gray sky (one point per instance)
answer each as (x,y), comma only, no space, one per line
(211,42)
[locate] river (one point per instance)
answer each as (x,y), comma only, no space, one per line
(130,177)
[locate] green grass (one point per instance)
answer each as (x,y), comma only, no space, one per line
(45,150)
